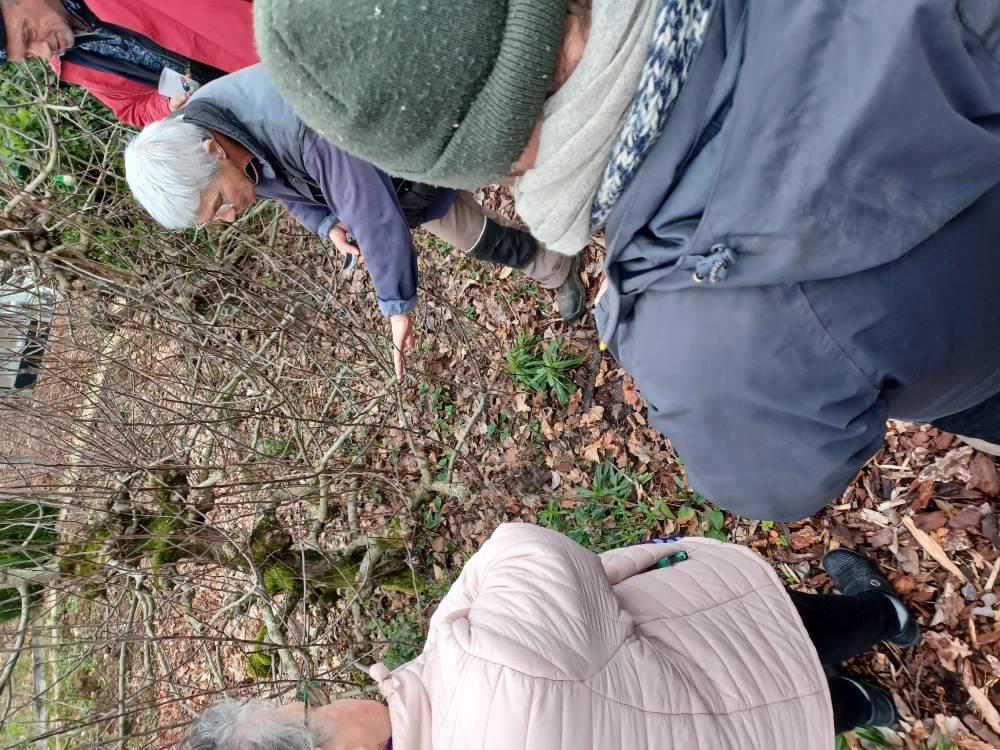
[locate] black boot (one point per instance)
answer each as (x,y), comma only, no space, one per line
(871,705)
(570,295)
(505,246)
(884,713)
(854,574)
(516,248)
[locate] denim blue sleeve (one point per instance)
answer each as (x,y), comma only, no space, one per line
(364,199)
(397,306)
(326,225)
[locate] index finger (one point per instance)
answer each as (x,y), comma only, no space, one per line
(399,362)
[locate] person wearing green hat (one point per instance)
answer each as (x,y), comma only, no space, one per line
(800,200)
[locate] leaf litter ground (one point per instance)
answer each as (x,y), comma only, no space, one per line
(925,507)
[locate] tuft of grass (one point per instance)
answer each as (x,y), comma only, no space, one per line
(607,514)
(541,368)
(873,736)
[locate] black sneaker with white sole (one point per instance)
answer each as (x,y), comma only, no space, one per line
(854,574)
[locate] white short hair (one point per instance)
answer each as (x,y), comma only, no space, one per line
(168,169)
(228,725)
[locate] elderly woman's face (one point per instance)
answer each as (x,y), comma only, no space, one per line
(42,28)
(576,33)
(228,194)
(349,724)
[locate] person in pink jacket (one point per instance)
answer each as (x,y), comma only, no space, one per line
(116,49)
(541,645)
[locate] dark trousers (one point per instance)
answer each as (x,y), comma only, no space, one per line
(842,627)
(980,421)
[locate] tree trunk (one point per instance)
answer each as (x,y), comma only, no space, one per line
(39,673)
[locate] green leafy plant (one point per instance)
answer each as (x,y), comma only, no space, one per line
(873,736)
(404,634)
(443,408)
(767,526)
(499,426)
(541,368)
(716,521)
(711,518)
(523,287)
(876,739)
(434,515)
(606,515)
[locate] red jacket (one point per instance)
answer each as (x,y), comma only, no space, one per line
(218,33)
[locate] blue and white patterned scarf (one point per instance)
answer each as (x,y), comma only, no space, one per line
(680,29)
(602,122)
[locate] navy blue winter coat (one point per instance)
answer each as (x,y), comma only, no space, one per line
(813,245)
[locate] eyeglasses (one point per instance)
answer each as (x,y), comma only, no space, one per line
(223,207)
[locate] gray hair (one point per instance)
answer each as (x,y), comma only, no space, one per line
(229,725)
(168,169)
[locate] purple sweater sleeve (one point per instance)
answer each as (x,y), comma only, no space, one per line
(315,217)
(363,198)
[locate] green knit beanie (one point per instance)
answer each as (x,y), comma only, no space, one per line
(441,91)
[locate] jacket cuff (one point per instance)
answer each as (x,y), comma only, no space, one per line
(397,306)
(323,230)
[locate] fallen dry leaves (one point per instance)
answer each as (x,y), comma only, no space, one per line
(934,549)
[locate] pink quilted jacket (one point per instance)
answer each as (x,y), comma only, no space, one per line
(543,645)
